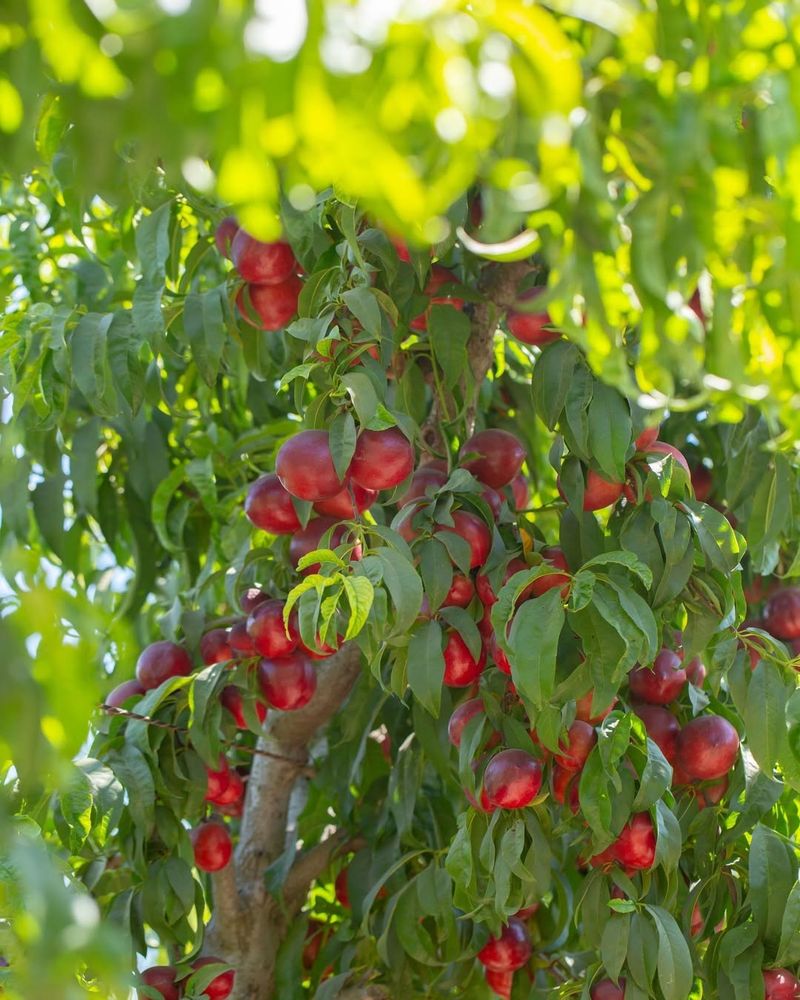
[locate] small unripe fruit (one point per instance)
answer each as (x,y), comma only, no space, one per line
(212,846)
(159,661)
(707,747)
(512,779)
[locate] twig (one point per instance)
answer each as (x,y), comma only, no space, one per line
(256,751)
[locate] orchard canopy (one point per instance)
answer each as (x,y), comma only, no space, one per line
(399,484)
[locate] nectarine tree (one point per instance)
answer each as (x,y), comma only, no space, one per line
(398,504)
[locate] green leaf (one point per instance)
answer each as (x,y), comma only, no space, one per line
(83,465)
(741,956)
(552,376)
(576,415)
(458,548)
(160,506)
(619,558)
(364,306)
(669,841)
(426,665)
(614,943)
(204,323)
(342,441)
(449,330)
(533,645)
(789,944)
(200,473)
(404,586)
(595,797)
(130,767)
(674,959)
(609,430)
(89,362)
(48,509)
(362,393)
(763,715)
(656,778)
(642,951)
(773,872)
(772,506)
(152,246)
(436,570)
(360,594)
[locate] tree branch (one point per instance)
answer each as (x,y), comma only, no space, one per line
(226,919)
(309,865)
(499,288)
(364,993)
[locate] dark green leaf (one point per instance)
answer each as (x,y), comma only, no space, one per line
(426,665)
(609,430)
(552,376)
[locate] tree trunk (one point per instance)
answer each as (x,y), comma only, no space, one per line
(248,924)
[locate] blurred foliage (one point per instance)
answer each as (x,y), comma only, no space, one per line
(648,149)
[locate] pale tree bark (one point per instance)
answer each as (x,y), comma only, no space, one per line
(248,924)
